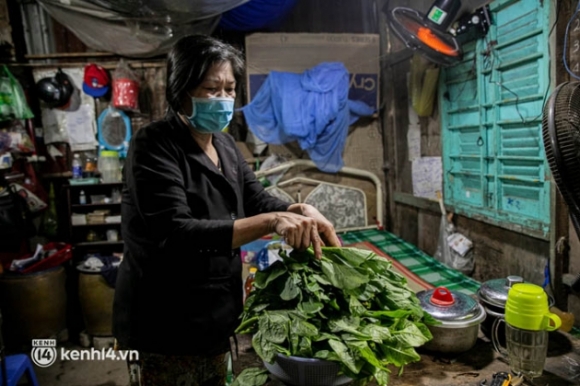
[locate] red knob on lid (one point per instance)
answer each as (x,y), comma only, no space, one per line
(442,297)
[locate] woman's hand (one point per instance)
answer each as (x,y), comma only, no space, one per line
(324,227)
(298,231)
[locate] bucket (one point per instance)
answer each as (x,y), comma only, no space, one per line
(96,298)
(33,305)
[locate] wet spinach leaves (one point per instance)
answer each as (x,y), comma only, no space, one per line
(349,307)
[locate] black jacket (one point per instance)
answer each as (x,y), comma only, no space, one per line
(179,287)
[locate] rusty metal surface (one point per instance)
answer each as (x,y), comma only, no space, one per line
(467,369)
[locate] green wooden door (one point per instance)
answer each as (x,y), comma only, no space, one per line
(494,168)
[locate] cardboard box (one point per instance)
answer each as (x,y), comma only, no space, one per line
(78,219)
(97,216)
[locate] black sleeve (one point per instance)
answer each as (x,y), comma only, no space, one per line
(256,199)
(158,189)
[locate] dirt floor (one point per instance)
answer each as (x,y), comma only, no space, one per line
(470,368)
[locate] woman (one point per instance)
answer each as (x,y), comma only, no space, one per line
(189,202)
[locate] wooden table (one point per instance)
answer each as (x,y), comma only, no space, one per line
(467,369)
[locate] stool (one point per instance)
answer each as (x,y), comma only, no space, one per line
(13,367)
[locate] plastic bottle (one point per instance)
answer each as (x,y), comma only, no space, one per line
(90,166)
(116,196)
(249,285)
(82,198)
(77,167)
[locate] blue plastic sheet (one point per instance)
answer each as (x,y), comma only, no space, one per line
(256,14)
(311,108)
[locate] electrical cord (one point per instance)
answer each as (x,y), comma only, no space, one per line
(489,61)
(490,56)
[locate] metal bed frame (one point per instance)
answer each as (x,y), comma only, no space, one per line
(346,171)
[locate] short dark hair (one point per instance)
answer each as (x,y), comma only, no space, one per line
(189,60)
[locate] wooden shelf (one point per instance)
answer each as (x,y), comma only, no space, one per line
(98,243)
(76,231)
(106,184)
(96,225)
(79,206)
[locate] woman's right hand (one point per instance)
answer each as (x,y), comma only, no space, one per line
(298,231)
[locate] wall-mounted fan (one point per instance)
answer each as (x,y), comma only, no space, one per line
(436,34)
(561,135)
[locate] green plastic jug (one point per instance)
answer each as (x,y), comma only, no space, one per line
(527,323)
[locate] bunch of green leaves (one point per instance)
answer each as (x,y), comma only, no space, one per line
(251,377)
(348,307)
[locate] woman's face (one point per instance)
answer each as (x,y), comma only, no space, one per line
(219,81)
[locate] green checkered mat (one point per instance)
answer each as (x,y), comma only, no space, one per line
(416,261)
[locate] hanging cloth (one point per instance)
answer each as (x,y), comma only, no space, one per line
(256,14)
(311,108)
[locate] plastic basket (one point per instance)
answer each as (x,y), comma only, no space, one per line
(299,371)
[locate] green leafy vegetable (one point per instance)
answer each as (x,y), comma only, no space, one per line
(349,307)
(251,377)
(342,276)
(291,290)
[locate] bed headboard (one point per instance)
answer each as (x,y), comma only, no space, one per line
(344,205)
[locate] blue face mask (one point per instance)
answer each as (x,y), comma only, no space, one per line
(211,115)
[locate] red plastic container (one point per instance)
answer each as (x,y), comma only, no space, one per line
(63,254)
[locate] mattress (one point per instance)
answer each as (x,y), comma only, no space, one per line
(422,271)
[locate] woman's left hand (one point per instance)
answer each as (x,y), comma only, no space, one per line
(325,227)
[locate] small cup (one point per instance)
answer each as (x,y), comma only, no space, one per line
(112,235)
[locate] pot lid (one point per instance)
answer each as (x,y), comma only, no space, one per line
(452,309)
(495,291)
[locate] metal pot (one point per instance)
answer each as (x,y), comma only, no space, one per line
(492,295)
(460,317)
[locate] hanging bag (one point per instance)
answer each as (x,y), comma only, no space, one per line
(13,103)
(15,220)
(125,88)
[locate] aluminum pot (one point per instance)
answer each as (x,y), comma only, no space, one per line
(492,295)
(460,316)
